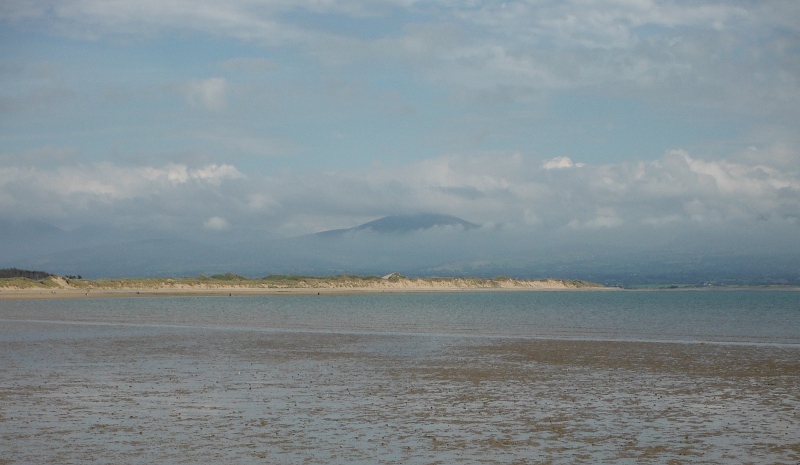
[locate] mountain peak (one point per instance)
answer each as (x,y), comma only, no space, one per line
(400,224)
(414,222)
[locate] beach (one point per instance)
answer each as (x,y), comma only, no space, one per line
(56,287)
(111,393)
(573,376)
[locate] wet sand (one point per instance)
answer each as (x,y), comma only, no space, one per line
(28,294)
(76,393)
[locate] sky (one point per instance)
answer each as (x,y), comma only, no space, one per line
(281,118)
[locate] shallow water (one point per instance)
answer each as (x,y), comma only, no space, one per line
(771,317)
(419,379)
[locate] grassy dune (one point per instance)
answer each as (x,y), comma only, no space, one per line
(233,281)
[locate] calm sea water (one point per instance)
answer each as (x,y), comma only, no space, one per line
(741,316)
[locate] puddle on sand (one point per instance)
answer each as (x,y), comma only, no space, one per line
(166,395)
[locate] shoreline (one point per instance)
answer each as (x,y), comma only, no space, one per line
(42,294)
(7,293)
(30,294)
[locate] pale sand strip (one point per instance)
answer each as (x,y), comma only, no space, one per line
(238,291)
(321,286)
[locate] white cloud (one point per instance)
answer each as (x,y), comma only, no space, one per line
(494,188)
(728,55)
(180,174)
(677,53)
(104,193)
(215,174)
(87,19)
(676,189)
(208,93)
(216,223)
(561,162)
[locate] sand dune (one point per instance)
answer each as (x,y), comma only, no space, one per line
(59,287)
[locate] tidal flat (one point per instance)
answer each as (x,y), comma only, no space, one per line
(77,392)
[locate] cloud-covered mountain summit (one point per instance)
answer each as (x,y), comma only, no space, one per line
(400,224)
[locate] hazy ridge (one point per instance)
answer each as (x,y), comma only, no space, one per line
(425,245)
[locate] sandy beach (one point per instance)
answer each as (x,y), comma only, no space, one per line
(61,288)
(81,393)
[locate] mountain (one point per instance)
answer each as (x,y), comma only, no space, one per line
(19,240)
(412,245)
(402,224)
(27,229)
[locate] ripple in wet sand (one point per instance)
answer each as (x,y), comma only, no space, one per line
(166,395)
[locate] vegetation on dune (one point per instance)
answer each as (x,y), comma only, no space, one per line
(286,278)
(22,279)
(27,279)
(17,273)
(27,283)
(229,277)
(579,283)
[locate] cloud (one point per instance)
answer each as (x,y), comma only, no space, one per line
(240,142)
(561,162)
(509,190)
(40,99)
(249,65)
(88,19)
(208,93)
(216,223)
(730,56)
(604,218)
(180,174)
(685,54)
(47,155)
(148,197)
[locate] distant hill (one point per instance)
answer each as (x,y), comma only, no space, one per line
(27,229)
(401,224)
(422,245)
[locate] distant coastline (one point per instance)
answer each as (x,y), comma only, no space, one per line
(231,284)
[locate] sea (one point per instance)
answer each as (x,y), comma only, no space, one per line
(672,376)
(712,316)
